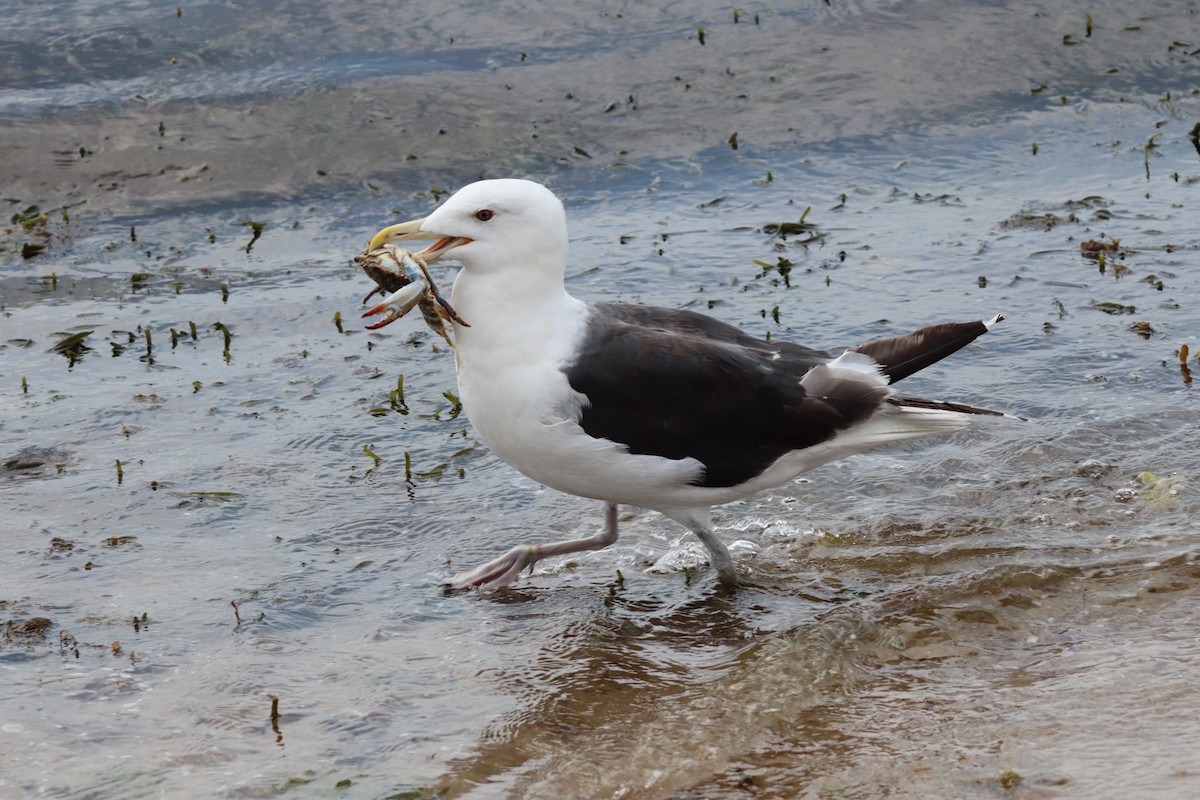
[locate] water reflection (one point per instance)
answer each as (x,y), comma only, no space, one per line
(591,679)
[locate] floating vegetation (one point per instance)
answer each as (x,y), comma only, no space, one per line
(58,544)
(1031,221)
(1010,779)
(220,326)
(455,404)
(138,279)
(126,338)
(782,266)
(397,396)
(27,630)
(1099,251)
(436,472)
(256,229)
(1150,145)
(1160,489)
(1142,328)
(31,217)
(1093,247)
(1092,201)
(31,460)
(1116,309)
(375,458)
(940,199)
(30,222)
(797,228)
(74,347)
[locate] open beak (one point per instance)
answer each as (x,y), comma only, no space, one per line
(410,231)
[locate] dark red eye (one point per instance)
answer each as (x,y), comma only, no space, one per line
(484,214)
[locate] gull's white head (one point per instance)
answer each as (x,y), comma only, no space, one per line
(505,224)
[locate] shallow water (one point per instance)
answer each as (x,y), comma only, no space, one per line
(1006,612)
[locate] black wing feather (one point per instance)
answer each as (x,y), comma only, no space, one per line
(678,384)
(901,356)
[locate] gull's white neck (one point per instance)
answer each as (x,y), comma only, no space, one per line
(524,329)
(523,313)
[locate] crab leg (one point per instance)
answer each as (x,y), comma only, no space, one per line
(450,311)
(390,266)
(398,303)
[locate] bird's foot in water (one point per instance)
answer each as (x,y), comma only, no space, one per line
(497,573)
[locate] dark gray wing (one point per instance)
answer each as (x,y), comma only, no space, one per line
(678,384)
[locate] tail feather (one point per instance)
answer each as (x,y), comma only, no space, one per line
(941,405)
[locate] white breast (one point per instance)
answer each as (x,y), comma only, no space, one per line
(520,403)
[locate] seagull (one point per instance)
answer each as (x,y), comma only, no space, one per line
(664,409)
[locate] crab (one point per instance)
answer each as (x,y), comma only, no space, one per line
(406,276)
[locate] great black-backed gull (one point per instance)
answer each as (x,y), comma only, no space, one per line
(664,409)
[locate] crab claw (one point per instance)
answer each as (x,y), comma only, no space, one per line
(454,317)
(397,304)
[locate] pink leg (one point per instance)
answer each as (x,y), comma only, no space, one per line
(502,571)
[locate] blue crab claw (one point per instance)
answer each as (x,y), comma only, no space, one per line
(397,304)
